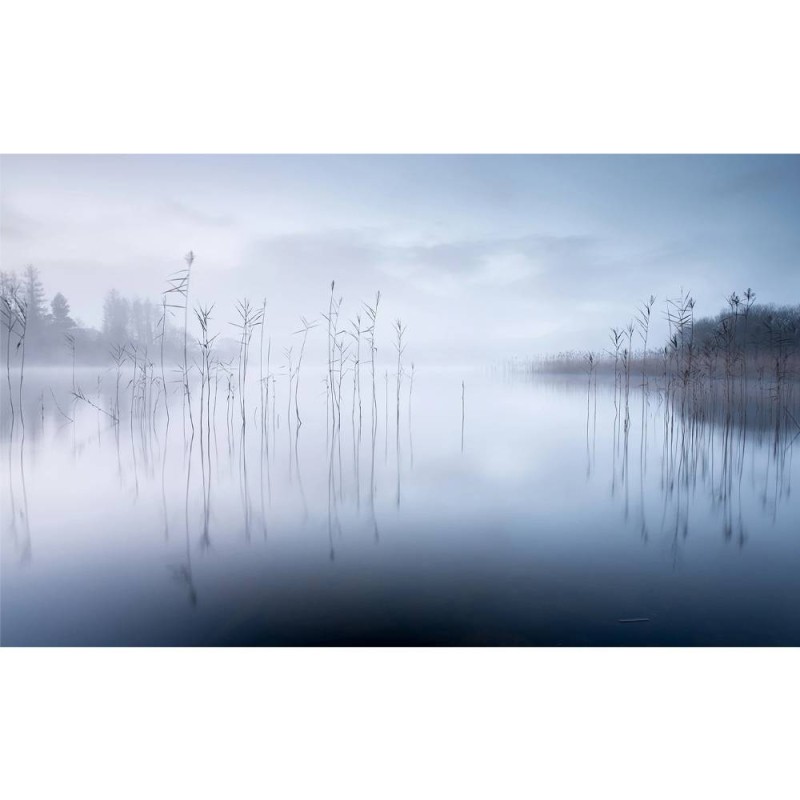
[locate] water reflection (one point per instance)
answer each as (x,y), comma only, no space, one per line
(708,450)
(184,573)
(17,517)
(278,526)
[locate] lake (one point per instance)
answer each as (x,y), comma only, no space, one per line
(539,517)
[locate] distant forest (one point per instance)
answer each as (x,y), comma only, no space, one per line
(743,339)
(52,332)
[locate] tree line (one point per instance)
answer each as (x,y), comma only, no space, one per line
(745,338)
(51,334)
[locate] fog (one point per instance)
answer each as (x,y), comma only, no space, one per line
(200,443)
(483,257)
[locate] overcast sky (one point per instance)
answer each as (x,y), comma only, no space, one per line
(481,256)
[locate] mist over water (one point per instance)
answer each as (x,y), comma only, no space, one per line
(544,520)
(187,459)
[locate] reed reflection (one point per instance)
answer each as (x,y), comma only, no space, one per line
(712,453)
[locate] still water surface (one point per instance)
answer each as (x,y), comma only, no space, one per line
(536,525)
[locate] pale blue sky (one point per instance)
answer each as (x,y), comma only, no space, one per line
(481,255)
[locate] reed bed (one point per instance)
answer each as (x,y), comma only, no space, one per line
(704,364)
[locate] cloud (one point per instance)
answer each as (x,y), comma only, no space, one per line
(16,225)
(189,214)
(369,255)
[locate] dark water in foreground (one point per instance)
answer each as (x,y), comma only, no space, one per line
(536,530)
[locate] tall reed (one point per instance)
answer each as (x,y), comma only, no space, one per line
(400,347)
(306,327)
(178,294)
(10,321)
(372,314)
(249,318)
